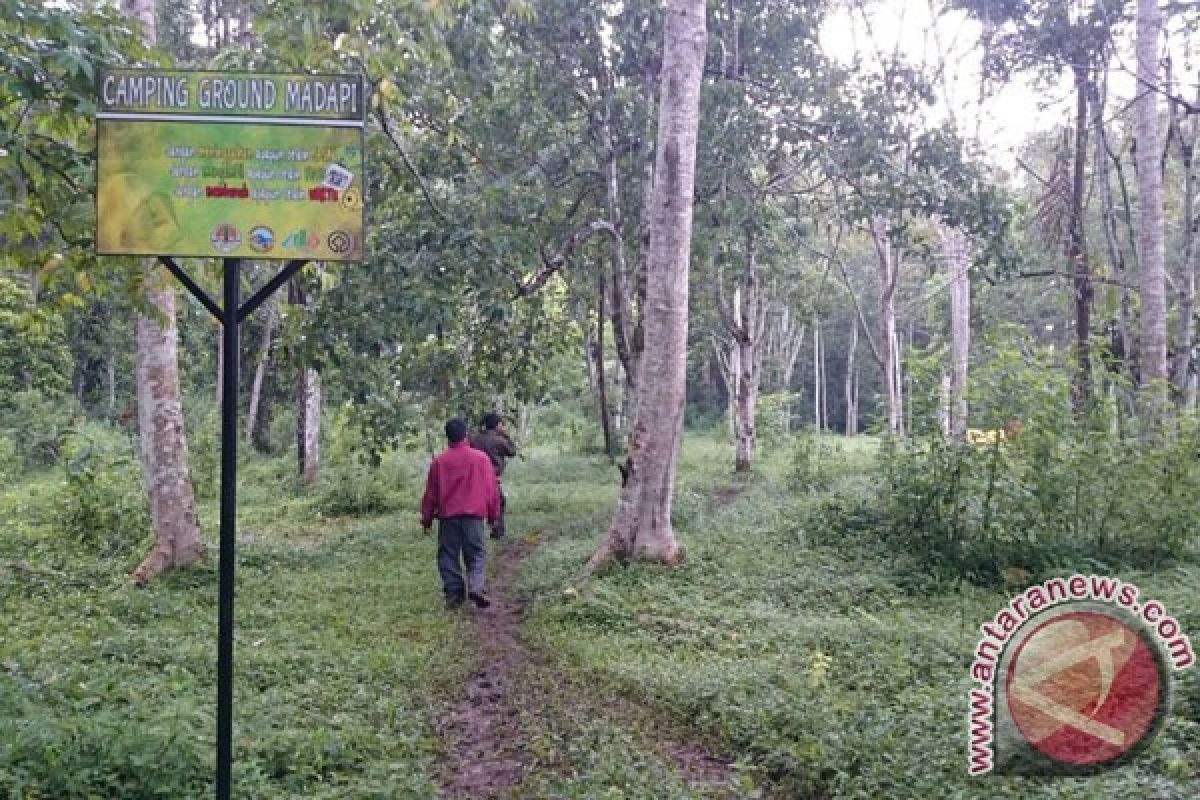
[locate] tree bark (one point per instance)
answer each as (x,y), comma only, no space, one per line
(1187,283)
(1151,247)
(163,443)
(308,407)
(958,257)
(163,439)
(641,526)
(889,362)
(1077,250)
(260,372)
(601,380)
(308,425)
(852,382)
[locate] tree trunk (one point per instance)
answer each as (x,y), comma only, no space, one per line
(1116,255)
(601,380)
(641,527)
(163,439)
(888,272)
(1077,251)
(308,424)
(260,372)
(958,257)
(308,407)
(110,385)
(1151,248)
(163,443)
(852,382)
(1187,284)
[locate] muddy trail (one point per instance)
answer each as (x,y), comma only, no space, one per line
(489,754)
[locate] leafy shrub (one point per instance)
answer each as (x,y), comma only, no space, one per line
(811,461)
(36,422)
(10,460)
(1079,497)
(355,489)
(104,504)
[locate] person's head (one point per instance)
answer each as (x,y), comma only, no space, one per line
(492,421)
(456,430)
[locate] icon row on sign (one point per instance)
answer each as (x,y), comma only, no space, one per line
(227,238)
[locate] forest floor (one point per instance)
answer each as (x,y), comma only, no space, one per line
(788,657)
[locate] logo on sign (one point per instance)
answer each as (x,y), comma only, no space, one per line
(301,240)
(262,239)
(338,177)
(340,242)
(225,238)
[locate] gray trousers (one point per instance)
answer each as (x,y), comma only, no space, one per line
(460,540)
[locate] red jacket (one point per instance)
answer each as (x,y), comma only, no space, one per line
(461,483)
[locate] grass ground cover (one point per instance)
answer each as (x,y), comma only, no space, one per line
(796,646)
(786,642)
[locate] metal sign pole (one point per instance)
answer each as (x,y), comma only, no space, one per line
(230,316)
(229,440)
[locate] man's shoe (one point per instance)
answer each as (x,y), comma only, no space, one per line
(453,604)
(479,598)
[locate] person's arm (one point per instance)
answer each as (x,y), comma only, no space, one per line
(493,504)
(429,507)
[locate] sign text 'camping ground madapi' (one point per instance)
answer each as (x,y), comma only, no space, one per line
(204,164)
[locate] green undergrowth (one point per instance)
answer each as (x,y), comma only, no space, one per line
(800,644)
(343,656)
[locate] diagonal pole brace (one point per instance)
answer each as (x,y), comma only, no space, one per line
(204,297)
(289,269)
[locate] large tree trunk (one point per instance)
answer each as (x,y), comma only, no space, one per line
(641,527)
(958,258)
(1077,250)
(163,443)
(890,351)
(163,439)
(1151,255)
(260,372)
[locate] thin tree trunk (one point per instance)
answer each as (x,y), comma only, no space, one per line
(260,372)
(958,256)
(1151,247)
(817,405)
(1077,250)
(601,381)
(888,271)
(641,527)
(1116,255)
(308,407)
(110,385)
(852,382)
(1187,283)
(163,439)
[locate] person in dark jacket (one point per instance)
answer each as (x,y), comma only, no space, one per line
(460,492)
(494,440)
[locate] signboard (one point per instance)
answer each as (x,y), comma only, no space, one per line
(228,165)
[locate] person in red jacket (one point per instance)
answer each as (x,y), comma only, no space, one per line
(460,492)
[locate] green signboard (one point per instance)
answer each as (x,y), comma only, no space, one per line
(246,165)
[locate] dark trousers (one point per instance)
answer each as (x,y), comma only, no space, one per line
(460,541)
(498,529)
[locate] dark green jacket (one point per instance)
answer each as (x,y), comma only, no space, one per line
(497,445)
